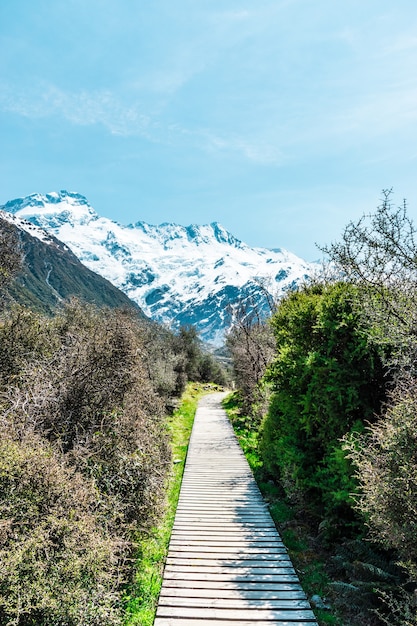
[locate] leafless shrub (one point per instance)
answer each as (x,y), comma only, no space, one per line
(386,462)
(92,398)
(378,253)
(252,346)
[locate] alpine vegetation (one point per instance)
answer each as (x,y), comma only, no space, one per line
(330,416)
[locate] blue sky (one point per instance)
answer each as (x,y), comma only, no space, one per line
(281,119)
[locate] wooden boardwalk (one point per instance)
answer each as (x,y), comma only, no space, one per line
(226,564)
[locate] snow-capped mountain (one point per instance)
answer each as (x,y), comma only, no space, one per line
(177,274)
(51,273)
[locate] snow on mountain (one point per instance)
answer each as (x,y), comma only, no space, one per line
(27,226)
(177,274)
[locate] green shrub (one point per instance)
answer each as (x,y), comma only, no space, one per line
(58,563)
(326,378)
(194,363)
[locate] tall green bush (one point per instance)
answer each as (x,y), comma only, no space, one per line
(327,380)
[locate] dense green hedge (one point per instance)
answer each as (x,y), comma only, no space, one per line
(327,380)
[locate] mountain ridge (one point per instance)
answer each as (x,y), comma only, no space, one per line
(52,273)
(176,274)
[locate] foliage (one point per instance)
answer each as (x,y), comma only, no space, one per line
(386,468)
(327,379)
(92,398)
(196,364)
(10,254)
(162,360)
(58,563)
(378,255)
(24,337)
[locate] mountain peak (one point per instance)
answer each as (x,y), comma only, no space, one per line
(52,209)
(39,200)
(223,236)
(177,274)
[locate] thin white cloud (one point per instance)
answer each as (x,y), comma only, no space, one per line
(258,151)
(85,108)
(82,108)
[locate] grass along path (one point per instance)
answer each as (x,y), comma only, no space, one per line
(152,549)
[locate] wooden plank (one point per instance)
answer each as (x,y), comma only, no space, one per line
(235,614)
(227,565)
(233,576)
(184,621)
(261,572)
(217,520)
(222,541)
(225,585)
(229,544)
(235,530)
(224,512)
(246,502)
(229,556)
(245,594)
(235,564)
(227,548)
(234,603)
(215,533)
(220,532)
(231,594)
(234,499)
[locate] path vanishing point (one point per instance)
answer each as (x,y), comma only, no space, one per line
(226,564)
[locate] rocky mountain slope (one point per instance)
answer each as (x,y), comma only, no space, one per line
(51,273)
(178,275)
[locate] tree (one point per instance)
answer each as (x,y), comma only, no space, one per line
(195,363)
(90,395)
(58,560)
(378,254)
(189,345)
(386,468)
